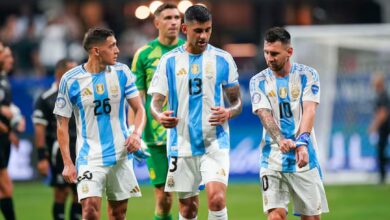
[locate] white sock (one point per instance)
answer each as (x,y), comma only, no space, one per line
(218,215)
(182,218)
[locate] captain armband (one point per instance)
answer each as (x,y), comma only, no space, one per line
(303,139)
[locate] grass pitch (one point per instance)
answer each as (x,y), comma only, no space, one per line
(33,201)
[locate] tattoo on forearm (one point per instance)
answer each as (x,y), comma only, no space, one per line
(157,103)
(269,124)
(59,120)
(234,96)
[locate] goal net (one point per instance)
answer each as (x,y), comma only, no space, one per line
(346,57)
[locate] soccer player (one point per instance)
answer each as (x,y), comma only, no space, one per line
(97,92)
(381,122)
(7,118)
(193,78)
(285,97)
(167,20)
(49,154)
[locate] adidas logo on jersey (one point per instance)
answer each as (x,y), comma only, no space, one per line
(182,71)
(86,92)
(135,190)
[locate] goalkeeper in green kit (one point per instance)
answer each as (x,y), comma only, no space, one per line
(167,20)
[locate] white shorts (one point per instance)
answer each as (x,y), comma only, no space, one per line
(118,181)
(185,174)
(305,188)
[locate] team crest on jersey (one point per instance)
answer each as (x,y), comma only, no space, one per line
(170,181)
(295,91)
(194,68)
(85,188)
(114,90)
(100,88)
(181,72)
(221,172)
(209,70)
(283,92)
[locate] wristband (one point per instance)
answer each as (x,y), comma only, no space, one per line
(303,139)
(42,153)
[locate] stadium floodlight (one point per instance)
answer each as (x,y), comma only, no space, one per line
(142,12)
(154,5)
(184,5)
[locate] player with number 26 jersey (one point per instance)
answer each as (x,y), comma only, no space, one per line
(98,99)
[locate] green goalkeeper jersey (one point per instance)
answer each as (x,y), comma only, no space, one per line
(144,65)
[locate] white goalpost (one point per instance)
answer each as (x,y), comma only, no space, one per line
(345,57)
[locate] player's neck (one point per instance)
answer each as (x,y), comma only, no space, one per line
(192,50)
(94,66)
(168,41)
(284,71)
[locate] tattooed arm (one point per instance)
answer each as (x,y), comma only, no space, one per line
(69,171)
(163,118)
(272,128)
(221,114)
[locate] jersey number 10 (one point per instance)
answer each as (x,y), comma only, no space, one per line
(285,110)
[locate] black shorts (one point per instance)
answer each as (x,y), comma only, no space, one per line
(5,151)
(57,166)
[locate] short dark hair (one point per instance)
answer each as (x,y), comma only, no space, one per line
(167,5)
(61,64)
(277,34)
(197,13)
(96,36)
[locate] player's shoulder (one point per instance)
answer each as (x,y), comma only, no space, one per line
(305,70)
(218,51)
(261,76)
(70,76)
(173,53)
(119,66)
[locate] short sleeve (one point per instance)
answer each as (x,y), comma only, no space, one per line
(159,82)
(137,67)
(232,73)
(311,91)
(39,114)
(131,90)
(63,106)
(258,96)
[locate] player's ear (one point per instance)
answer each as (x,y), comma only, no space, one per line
(96,51)
(184,28)
(156,22)
(290,51)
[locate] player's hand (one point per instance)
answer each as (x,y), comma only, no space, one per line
(3,128)
(43,167)
(219,115)
(69,173)
(141,154)
(133,143)
(166,120)
(286,145)
(302,156)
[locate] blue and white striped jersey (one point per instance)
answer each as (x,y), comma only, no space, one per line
(193,83)
(285,97)
(98,102)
